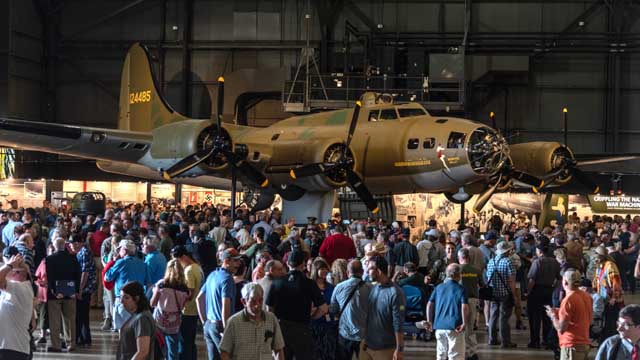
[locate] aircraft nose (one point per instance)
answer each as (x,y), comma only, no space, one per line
(487,151)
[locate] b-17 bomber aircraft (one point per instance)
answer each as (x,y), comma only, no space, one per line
(377,147)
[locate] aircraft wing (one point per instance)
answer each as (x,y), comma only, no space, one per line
(609,164)
(85,142)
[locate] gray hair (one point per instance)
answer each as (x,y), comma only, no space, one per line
(467,239)
(59,243)
(572,277)
(463,253)
(251,289)
(453,271)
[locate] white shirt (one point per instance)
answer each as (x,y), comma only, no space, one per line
(16,308)
(243,236)
(423,252)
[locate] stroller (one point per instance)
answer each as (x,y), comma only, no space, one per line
(415,311)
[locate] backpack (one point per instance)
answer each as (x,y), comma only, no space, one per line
(415,299)
(169,321)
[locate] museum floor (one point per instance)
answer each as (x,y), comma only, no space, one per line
(104,345)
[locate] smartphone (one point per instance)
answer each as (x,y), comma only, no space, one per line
(548,307)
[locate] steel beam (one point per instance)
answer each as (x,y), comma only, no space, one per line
(102,20)
(187,22)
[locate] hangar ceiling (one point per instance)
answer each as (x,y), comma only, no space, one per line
(524,60)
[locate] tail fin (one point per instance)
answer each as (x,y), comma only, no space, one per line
(142,107)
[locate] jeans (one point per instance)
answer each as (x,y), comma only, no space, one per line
(500,310)
(212,338)
(538,298)
(172,345)
(120,314)
(83,332)
(187,342)
(346,348)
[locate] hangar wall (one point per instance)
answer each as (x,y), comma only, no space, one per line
(526,86)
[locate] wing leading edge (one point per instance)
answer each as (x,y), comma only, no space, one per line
(85,142)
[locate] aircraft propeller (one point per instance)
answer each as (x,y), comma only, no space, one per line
(219,145)
(569,166)
(507,172)
(344,165)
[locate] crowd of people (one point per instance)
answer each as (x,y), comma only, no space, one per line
(259,286)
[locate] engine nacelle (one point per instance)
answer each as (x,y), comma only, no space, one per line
(305,152)
(540,158)
(178,140)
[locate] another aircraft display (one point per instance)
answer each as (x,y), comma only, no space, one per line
(377,147)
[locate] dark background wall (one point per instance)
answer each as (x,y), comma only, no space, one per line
(525,60)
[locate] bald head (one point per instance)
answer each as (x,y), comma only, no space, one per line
(354,268)
(453,272)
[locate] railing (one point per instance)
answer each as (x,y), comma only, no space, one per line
(341,91)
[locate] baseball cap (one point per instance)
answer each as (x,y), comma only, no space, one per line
(230,253)
(491,235)
(179,251)
(128,244)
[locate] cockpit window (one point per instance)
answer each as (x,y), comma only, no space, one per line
(411,112)
(374,115)
(388,114)
(456,140)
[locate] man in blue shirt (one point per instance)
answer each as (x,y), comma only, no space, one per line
(127,268)
(353,319)
(384,337)
(451,311)
(156,262)
(216,300)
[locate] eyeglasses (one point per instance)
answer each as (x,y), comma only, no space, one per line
(624,325)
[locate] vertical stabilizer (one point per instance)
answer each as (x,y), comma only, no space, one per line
(142,107)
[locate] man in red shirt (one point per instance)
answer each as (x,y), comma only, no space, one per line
(573,318)
(337,246)
(95,242)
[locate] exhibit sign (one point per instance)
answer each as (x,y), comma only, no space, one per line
(605,204)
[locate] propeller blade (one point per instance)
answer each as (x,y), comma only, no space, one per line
(220,103)
(253,174)
(585,180)
(307,170)
(352,126)
(187,163)
(526,178)
(484,197)
(356,183)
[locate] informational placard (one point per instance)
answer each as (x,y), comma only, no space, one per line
(605,204)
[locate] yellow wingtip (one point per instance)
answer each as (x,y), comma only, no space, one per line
(166,176)
(535,190)
(221,79)
(541,184)
(358,103)
(375,211)
(292,174)
(596,190)
(264,183)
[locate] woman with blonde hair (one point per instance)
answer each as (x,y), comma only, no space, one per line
(338,272)
(170,294)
